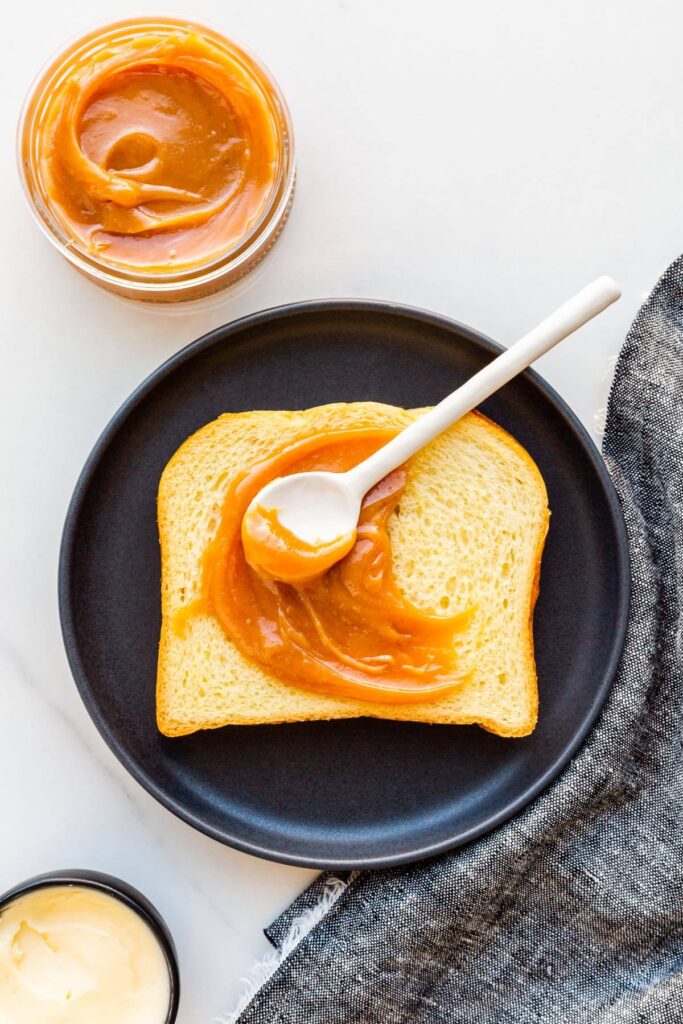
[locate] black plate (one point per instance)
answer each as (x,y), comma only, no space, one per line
(347,793)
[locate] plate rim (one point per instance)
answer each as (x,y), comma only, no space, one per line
(66,607)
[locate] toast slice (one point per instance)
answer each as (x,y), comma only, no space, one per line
(471,528)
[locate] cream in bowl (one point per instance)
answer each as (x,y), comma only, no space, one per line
(79,948)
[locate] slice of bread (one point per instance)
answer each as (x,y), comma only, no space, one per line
(470,531)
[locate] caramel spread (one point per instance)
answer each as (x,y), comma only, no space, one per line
(159,150)
(349,632)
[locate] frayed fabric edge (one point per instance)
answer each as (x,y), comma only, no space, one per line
(300,927)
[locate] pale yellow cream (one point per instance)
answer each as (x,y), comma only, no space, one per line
(72,955)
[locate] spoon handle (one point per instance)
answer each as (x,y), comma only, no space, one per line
(590,301)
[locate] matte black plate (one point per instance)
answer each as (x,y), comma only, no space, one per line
(349,793)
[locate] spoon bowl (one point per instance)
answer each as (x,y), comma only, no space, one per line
(297,527)
(317,507)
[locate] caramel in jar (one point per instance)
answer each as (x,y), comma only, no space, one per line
(158,149)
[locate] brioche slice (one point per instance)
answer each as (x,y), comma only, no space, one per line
(470,531)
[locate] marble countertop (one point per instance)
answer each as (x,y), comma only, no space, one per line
(483,160)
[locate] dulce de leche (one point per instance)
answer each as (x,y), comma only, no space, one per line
(348,632)
(159,150)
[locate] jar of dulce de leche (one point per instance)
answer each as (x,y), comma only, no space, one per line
(158,157)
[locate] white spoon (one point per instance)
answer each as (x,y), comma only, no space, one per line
(320,508)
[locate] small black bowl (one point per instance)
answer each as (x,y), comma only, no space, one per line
(122,891)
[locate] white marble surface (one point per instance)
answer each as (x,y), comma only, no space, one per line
(481,159)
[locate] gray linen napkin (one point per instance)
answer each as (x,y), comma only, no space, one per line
(573,911)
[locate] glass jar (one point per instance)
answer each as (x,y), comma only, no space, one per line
(135,47)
